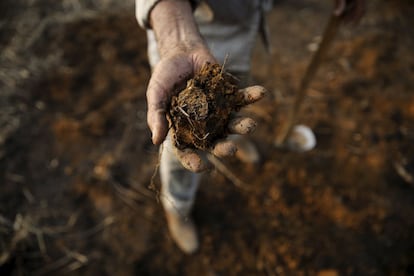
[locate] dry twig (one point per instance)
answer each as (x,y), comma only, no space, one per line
(221,167)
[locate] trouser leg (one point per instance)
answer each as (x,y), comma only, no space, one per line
(178,185)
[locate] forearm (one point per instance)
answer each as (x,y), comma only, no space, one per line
(174,26)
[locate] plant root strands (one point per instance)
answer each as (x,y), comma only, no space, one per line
(199,115)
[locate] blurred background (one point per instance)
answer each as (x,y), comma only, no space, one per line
(76,160)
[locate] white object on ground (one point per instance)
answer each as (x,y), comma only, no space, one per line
(301,139)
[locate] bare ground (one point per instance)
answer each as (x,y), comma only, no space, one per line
(76,158)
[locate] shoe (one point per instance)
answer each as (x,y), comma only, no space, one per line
(183,231)
(246,150)
(301,139)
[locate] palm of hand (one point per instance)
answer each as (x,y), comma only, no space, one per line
(169,77)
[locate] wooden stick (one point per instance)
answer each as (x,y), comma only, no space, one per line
(328,35)
(219,165)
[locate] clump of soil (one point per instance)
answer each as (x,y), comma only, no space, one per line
(199,115)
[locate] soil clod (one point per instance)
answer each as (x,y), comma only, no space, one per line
(199,115)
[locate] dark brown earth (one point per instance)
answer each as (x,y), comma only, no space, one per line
(76,157)
(200,114)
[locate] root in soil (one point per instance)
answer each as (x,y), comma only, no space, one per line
(199,115)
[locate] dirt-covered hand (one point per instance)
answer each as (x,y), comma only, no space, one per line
(349,10)
(194,160)
(169,76)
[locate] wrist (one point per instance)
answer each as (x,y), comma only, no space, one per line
(174,26)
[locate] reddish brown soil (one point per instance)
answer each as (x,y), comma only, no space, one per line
(199,114)
(74,173)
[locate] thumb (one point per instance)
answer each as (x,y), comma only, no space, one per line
(158,125)
(167,76)
(157,103)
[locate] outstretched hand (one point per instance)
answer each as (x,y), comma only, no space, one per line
(169,76)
